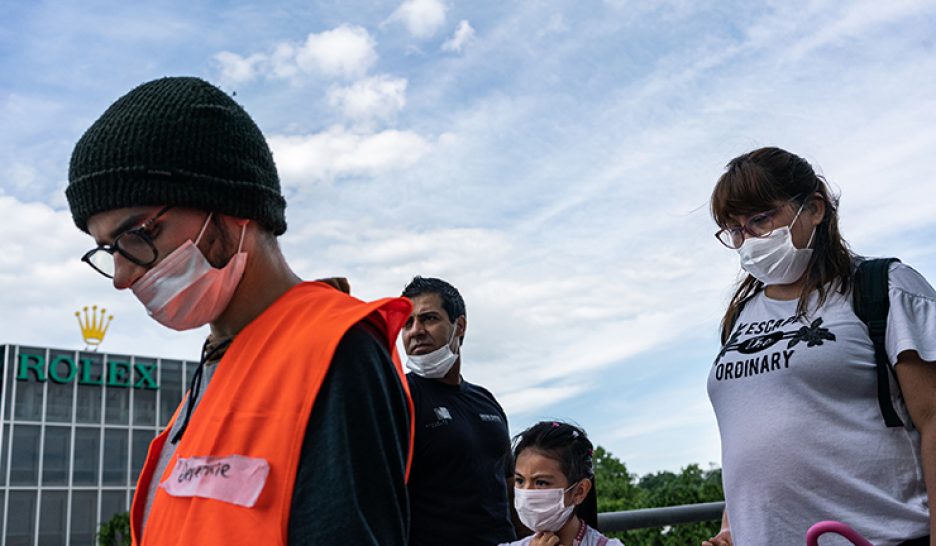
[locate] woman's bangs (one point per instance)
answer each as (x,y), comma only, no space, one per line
(743,190)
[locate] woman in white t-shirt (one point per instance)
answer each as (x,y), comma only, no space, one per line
(554,487)
(794,387)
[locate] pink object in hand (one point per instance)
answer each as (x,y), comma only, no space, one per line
(234,478)
(823,527)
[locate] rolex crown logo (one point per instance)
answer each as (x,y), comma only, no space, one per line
(93,325)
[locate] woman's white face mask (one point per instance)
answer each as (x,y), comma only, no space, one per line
(184,290)
(774,259)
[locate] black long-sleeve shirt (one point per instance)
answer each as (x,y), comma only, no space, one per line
(350,485)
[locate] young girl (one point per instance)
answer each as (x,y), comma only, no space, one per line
(554,487)
(794,388)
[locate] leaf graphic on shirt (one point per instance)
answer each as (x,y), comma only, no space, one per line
(732,342)
(813,335)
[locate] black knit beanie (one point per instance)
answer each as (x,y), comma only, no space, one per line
(181,142)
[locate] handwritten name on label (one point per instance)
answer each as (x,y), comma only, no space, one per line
(233,478)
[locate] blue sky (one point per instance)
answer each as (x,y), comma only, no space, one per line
(553,160)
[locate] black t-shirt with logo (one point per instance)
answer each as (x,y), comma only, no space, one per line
(461,463)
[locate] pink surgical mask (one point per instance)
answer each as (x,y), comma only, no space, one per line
(184,290)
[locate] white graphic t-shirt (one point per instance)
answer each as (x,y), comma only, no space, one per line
(592,538)
(802,435)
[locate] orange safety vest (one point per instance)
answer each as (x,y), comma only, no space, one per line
(258,405)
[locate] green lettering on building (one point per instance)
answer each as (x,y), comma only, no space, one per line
(118,373)
(86,365)
(54,369)
(37,366)
(144,375)
(63,369)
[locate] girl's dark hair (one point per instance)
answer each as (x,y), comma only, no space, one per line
(762,180)
(570,446)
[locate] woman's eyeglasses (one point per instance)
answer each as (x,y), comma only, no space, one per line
(760,225)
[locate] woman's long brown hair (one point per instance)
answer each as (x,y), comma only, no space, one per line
(762,180)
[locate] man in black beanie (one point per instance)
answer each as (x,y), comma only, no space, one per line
(304,434)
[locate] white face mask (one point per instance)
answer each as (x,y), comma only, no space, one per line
(184,290)
(774,259)
(543,509)
(435,364)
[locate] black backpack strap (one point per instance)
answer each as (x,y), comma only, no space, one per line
(871,306)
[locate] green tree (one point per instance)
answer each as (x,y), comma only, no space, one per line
(619,490)
(115,531)
(615,485)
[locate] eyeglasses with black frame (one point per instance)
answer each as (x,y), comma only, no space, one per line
(135,244)
(758,226)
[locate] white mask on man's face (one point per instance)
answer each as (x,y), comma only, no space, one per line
(437,363)
(774,259)
(184,290)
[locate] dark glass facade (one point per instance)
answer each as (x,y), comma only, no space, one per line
(75,429)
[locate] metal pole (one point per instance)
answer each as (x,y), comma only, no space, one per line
(660,517)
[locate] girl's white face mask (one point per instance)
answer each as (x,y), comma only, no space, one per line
(543,509)
(774,259)
(184,290)
(435,364)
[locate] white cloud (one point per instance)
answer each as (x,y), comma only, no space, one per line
(43,283)
(555,25)
(563,207)
(463,34)
(35,143)
(339,152)
(236,69)
(374,98)
(20,175)
(422,18)
(536,398)
(343,52)
(347,51)
(858,19)
(380,259)
(282,61)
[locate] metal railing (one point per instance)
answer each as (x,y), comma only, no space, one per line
(660,517)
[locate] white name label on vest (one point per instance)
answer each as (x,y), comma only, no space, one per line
(234,478)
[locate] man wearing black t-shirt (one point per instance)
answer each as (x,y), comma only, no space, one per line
(461,457)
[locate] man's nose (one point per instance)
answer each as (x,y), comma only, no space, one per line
(125,272)
(415,334)
(417,327)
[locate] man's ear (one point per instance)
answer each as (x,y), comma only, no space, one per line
(461,324)
(232,224)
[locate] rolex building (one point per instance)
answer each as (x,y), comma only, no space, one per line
(76,427)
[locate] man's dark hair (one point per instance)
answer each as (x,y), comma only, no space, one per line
(452,301)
